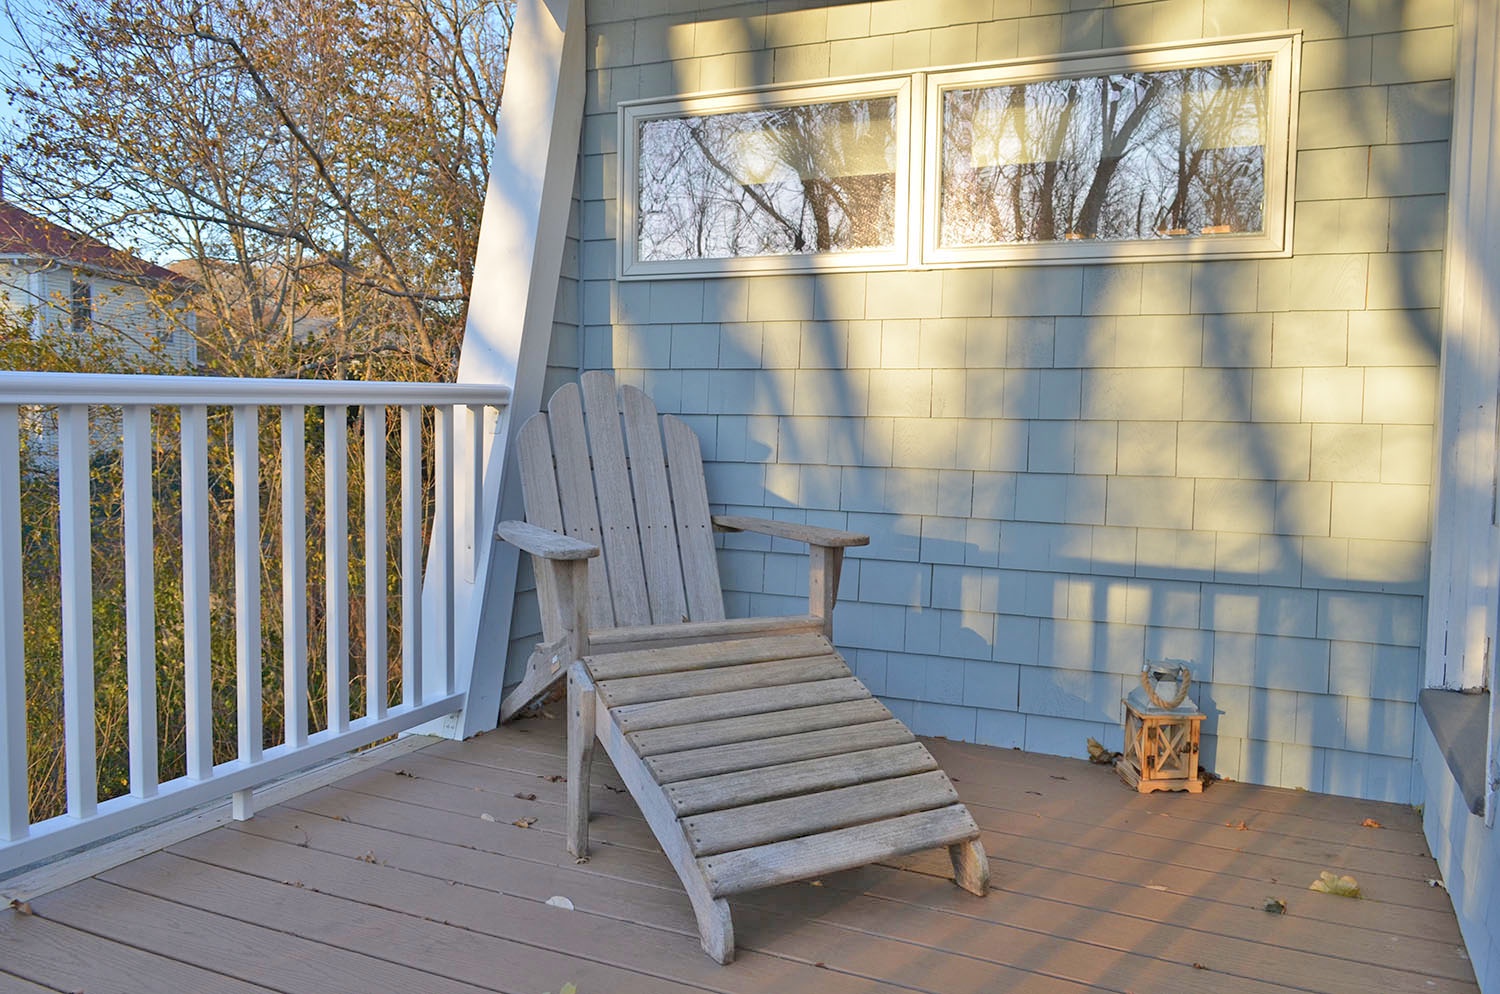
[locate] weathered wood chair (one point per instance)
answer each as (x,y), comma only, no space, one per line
(754,753)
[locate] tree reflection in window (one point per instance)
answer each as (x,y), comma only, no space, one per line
(817,177)
(1129,155)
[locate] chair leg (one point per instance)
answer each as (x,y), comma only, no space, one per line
(971,868)
(716,930)
(581,705)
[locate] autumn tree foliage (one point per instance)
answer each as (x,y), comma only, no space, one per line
(317,169)
(317,166)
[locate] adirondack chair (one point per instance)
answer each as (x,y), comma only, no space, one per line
(755,754)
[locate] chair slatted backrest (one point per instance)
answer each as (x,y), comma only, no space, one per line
(603,467)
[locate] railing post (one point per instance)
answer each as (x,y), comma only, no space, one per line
(14,822)
(140,600)
(77,609)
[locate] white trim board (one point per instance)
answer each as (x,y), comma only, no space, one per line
(512,305)
(1463,599)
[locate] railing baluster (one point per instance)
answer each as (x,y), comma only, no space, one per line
(14,821)
(294,572)
(197,643)
(247,646)
(376,640)
(441,563)
(140,601)
(472,507)
(411,555)
(336,514)
(77,610)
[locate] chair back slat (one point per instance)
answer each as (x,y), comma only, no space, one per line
(539,489)
(575,487)
(617,516)
(653,502)
(695,536)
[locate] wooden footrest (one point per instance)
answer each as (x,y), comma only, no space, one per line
(773,761)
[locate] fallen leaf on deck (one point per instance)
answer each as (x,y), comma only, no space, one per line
(526,822)
(1199,966)
(1238,826)
(1371,823)
(558,901)
(525,796)
(486,816)
(403,773)
(1099,755)
(1437,883)
(1036,792)
(368,856)
(815,883)
(1052,776)
(1159,887)
(580,860)
(555,778)
(1332,883)
(22,907)
(1275,906)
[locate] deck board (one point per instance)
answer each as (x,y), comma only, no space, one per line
(393,877)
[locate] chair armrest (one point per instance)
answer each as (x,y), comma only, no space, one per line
(543,543)
(830,538)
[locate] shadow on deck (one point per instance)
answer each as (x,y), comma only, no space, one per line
(430,873)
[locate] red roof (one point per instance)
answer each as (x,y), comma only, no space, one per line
(24,234)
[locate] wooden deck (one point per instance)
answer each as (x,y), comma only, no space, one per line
(419,875)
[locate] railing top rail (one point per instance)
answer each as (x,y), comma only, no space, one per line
(116,388)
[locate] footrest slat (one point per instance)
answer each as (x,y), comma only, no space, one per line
(795,817)
(730,790)
(829,852)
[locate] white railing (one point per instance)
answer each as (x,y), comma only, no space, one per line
(125,406)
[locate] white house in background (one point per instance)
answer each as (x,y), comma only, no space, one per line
(55,278)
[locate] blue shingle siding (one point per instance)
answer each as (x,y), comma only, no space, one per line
(1069,470)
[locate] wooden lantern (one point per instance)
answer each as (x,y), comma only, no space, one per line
(1161,734)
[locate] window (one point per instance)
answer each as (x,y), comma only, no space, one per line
(797,179)
(1154,153)
(1142,155)
(80,306)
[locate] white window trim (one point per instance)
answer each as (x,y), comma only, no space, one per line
(1280,161)
(918,111)
(632,114)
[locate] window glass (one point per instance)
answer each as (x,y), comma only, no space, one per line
(1121,156)
(80,306)
(782,181)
